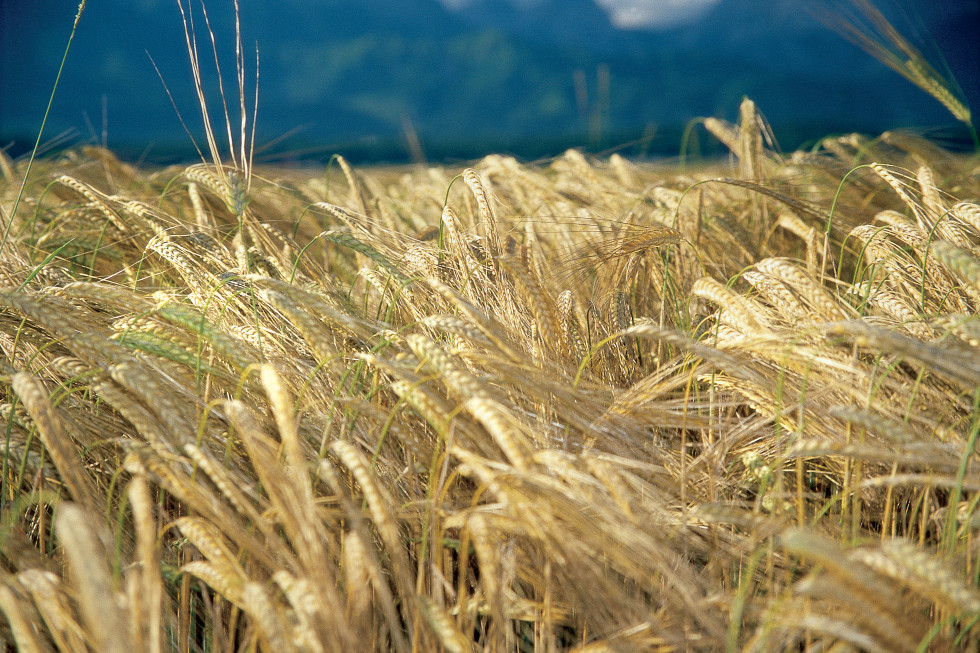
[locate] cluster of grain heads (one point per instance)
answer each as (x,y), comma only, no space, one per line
(844,595)
(583,406)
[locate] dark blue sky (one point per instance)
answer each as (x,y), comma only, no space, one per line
(513,75)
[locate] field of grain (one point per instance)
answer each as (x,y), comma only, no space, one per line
(587,405)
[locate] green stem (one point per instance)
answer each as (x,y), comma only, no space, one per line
(40,133)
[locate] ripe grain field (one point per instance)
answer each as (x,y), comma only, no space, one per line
(589,405)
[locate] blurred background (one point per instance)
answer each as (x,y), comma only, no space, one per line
(444,80)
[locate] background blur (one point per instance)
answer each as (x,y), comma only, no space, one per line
(393,80)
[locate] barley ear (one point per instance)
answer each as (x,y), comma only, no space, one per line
(963,262)
(148,601)
(282,409)
(21,626)
(491,237)
(267,617)
(35,399)
(442,625)
(100,604)
(379,504)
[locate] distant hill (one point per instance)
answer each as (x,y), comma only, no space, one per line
(349,75)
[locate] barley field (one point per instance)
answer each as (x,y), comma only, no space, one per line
(587,404)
